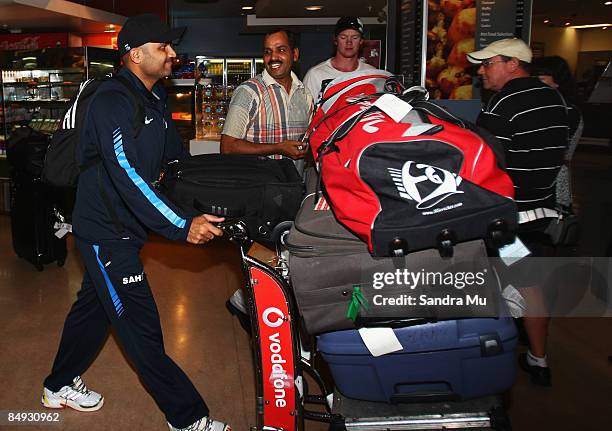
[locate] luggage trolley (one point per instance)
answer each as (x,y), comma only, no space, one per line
(281,363)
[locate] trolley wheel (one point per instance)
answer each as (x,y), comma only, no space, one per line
(337,423)
(500,420)
(61,262)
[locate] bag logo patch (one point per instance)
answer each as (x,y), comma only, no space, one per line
(322,205)
(426,185)
(371,120)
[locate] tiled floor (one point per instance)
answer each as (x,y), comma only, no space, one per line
(191,285)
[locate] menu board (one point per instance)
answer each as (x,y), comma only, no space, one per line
(410,40)
(458,27)
(501,19)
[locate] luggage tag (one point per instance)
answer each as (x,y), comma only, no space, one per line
(514,252)
(419,129)
(380,341)
(393,106)
(62,229)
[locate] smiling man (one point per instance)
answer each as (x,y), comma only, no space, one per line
(269,114)
(348,38)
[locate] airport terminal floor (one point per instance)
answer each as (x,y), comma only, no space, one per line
(191,285)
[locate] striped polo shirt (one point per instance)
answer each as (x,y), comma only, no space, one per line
(531,120)
(261,111)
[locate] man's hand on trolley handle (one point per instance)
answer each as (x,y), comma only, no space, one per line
(203,230)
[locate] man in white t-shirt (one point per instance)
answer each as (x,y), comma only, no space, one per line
(348,40)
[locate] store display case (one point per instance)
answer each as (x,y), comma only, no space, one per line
(36,85)
(215,81)
(238,71)
(181,103)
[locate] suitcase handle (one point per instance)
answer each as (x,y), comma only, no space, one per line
(424,397)
(218,210)
(385,322)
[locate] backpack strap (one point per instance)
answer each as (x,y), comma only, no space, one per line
(136,100)
(138,117)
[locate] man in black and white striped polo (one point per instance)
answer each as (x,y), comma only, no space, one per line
(531,121)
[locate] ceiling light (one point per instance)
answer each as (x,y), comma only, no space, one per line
(313,8)
(608,3)
(546,21)
(593,26)
(604,28)
(567,23)
(247,7)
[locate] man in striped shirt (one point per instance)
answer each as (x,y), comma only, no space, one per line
(269,114)
(531,121)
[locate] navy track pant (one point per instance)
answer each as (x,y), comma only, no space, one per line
(115,292)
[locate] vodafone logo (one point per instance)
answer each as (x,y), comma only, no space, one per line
(273,317)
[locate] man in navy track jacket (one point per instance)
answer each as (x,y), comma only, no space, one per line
(116,206)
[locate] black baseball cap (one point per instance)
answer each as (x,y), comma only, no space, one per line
(348,22)
(145,28)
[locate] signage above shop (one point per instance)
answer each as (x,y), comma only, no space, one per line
(18,41)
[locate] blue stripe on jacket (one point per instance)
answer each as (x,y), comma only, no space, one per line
(142,185)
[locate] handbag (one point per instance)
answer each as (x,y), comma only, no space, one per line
(564,230)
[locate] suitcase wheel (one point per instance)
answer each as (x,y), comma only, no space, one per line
(446,240)
(39,267)
(500,420)
(398,247)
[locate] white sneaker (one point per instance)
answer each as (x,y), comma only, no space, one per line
(204,424)
(75,396)
(239,301)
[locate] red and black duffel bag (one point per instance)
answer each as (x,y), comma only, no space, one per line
(403,173)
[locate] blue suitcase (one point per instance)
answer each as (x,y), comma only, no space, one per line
(446,360)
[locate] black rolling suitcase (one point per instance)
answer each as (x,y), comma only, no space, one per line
(33,203)
(260,191)
(32,223)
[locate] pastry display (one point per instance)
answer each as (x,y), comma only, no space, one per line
(450,36)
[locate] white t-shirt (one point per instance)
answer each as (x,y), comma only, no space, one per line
(323,73)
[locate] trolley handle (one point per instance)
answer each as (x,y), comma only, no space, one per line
(232,226)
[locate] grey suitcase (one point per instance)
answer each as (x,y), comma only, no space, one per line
(327,263)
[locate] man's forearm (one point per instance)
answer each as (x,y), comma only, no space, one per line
(231,145)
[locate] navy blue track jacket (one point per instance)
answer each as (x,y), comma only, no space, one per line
(129,167)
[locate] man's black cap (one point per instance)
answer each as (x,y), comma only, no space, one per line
(145,28)
(348,22)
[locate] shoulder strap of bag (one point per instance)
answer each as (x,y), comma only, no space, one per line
(136,100)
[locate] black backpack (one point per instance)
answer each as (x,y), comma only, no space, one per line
(61,167)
